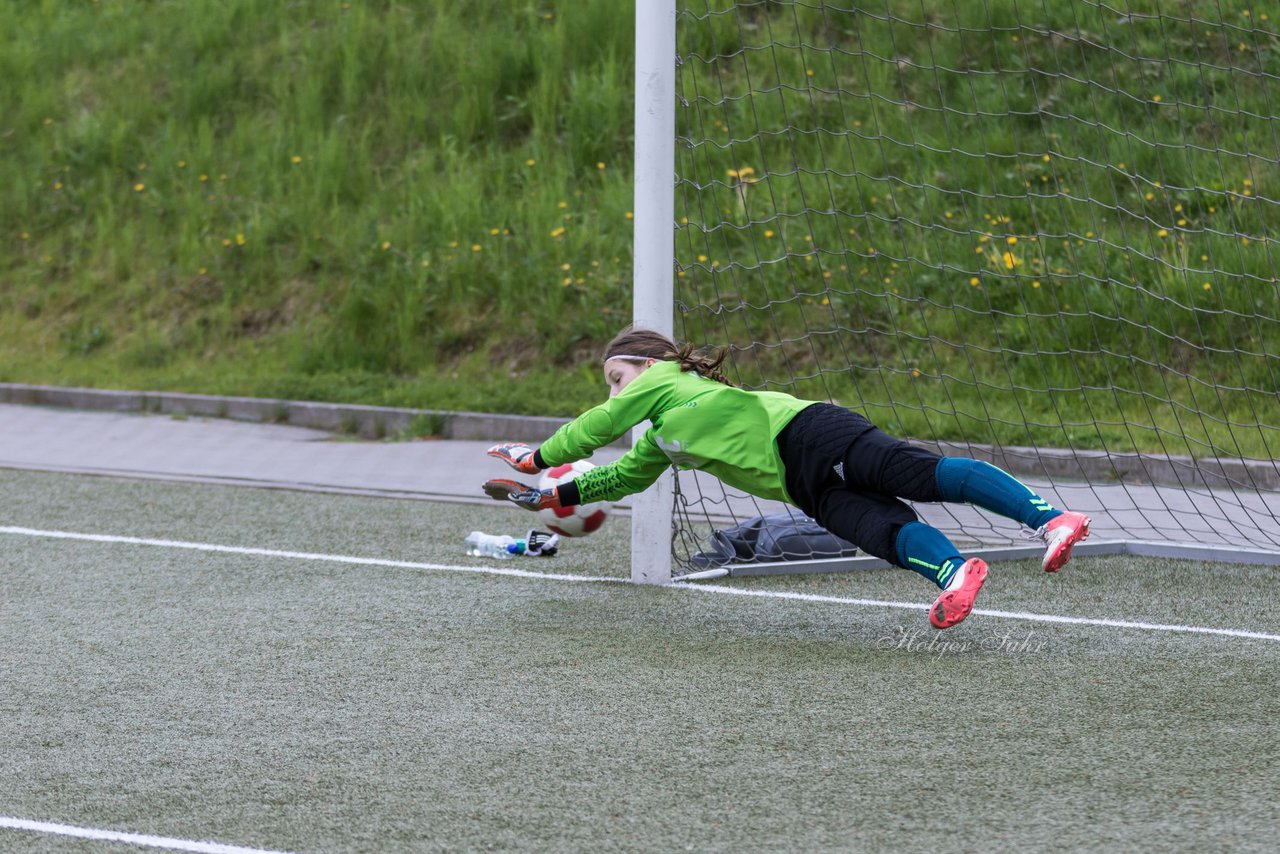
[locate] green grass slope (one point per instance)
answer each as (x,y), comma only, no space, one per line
(995,223)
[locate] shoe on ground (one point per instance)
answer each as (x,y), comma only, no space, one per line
(1059,535)
(956,600)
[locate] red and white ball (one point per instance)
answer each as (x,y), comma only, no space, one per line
(571,521)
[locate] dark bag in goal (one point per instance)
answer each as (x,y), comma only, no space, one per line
(773,538)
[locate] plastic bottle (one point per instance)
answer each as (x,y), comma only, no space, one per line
(488,545)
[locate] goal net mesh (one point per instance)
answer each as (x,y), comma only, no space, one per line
(1037,233)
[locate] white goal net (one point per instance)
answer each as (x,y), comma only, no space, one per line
(1038,233)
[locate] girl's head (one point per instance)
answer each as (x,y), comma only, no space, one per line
(632,351)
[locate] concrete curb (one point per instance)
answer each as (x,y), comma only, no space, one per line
(377,422)
(370,422)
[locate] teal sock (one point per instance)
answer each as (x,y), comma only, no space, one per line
(926,550)
(983,485)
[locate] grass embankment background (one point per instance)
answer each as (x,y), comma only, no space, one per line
(351,202)
(1002,224)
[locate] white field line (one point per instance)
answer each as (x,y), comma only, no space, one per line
(704,588)
(139,839)
(312,556)
(1008,615)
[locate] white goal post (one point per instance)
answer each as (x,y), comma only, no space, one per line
(654,249)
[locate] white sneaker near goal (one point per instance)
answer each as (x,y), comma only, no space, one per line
(1059,534)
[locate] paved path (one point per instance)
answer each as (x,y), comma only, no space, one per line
(231,452)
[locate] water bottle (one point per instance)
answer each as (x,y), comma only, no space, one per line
(488,545)
(534,544)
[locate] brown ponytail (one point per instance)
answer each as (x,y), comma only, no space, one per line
(647,344)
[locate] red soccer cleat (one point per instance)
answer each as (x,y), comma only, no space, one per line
(956,601)
(1060,534)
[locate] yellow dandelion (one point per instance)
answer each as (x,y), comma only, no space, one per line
(1011,240)
(531,162)
(494,232)
(295,159)
(975,281)
(630,215)
(453,244)
(562,205)
(768,232)
(1046,158)
(1149,196)
(25,235)
(1011,260)
(139,187)
(566,281)
(386,244)
(1036,283)
(1244,241)
(1208,286)
(202,271)
(808,72)
(57,185)
(732,173)
(1156,98)
(240,240)
(182,164)
(1182,222)
(1162,233)
(204,178)
(1177,208)
(915,372)
(702,259)
(476,247)
(600,165)
(558,231)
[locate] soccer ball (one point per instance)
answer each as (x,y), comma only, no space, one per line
(571,521)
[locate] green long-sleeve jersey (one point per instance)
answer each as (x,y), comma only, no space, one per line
(697,423)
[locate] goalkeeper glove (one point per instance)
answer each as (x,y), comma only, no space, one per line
(528,497)
(519,456)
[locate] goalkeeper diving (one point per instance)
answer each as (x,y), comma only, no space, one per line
(829,461)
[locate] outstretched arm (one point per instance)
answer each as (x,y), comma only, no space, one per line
(649,394)
(632,473)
